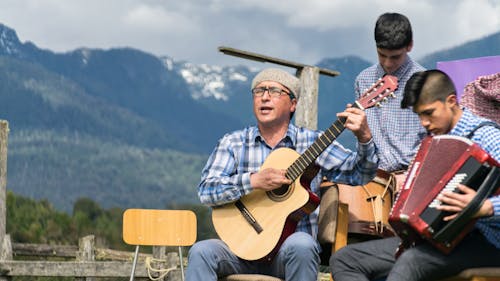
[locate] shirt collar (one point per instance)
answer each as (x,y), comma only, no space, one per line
(291,134)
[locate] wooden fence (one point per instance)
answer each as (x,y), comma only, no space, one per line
(83,262)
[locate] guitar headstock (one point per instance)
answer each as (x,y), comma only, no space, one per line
(379,92)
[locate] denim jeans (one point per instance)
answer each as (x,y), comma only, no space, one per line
(296,260)
(373,260)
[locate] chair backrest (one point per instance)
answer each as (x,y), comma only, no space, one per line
(159,227)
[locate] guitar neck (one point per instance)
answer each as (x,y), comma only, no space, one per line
(377,93)
(323,141)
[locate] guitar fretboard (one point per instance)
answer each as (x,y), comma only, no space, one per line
(373,96)
(308,157)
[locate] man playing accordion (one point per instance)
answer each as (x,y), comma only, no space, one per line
(432,96)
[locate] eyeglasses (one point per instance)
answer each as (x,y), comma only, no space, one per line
(274,92)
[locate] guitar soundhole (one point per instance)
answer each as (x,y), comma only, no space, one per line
(281,193)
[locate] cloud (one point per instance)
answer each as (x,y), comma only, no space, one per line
(302,31)
(156,18)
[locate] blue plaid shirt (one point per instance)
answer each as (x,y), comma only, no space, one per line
(488,138)
(396,132)
(226,176)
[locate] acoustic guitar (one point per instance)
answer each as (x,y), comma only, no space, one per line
(255,226)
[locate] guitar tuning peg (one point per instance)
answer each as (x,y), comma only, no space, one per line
(392,95)
(384,99)
(378,104)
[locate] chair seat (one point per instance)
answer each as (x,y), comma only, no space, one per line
(249,277)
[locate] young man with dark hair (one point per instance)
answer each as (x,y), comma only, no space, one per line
(396,131)
(432,96)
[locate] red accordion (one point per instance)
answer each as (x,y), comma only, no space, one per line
(441,163)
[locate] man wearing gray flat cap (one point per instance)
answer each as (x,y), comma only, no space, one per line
(248,162)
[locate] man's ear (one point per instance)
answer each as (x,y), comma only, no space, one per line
(409,47)
(451,100)
(294,105)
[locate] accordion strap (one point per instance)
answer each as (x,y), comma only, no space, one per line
(480,125)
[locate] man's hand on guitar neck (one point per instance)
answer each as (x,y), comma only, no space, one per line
(355,120)
(269,179)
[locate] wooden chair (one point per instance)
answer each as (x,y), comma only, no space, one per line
(158,228)
(332,230)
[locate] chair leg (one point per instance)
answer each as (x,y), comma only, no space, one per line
(134,263)
(342,227)
(182,263)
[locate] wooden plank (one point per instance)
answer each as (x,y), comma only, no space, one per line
(44,250)
(103,254)
(264,58)
(77,269)
(70,251)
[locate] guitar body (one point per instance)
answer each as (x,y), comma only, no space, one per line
(277,214)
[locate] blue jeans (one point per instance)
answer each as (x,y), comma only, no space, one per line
(296,260)
(373,260)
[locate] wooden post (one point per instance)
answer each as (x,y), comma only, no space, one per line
(86,247)
(172,260)
(4,132)
(159,253)
(166,260)
(5,244)
(307,108)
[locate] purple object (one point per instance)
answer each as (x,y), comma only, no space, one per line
(464,71)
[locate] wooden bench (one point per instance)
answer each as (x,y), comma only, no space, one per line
(477,274)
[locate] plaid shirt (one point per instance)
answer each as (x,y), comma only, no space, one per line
(226,176)
(488,138)
(396,132)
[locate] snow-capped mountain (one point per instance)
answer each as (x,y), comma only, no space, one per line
(208,81)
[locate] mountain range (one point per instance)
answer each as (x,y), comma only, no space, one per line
(130,129)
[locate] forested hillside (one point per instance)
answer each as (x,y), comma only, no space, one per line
(31,221)
(112,173)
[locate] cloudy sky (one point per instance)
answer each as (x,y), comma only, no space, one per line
(304,31)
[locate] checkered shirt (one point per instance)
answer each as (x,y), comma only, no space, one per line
(397,132)
(226,176)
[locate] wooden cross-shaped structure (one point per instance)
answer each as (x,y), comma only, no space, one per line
(307,108)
